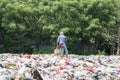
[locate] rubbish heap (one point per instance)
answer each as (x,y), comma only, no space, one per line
(53,67)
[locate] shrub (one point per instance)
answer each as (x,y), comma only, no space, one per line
(44,50)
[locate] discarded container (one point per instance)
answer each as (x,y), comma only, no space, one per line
(53,67)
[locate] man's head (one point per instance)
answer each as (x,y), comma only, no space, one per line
(61,32)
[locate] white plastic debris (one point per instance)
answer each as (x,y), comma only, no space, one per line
(53,67)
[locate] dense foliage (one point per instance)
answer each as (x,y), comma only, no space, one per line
(31,25)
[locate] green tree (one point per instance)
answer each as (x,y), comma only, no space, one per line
(90,25)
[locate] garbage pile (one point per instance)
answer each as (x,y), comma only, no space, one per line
(53,67)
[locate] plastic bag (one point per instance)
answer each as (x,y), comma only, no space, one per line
(60,45)
(57,51)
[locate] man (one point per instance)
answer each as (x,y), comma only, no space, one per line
(61,42)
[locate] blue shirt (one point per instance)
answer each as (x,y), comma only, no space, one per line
(61,39)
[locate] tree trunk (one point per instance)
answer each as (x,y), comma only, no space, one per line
(118,47)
